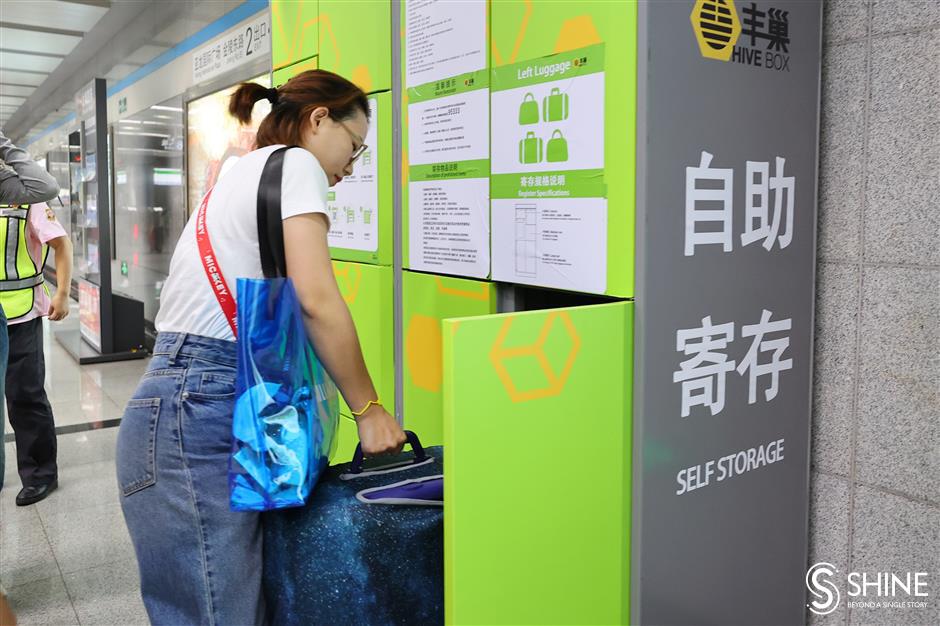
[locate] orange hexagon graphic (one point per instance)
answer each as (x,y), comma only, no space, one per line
(327,25)
(716,27)
(482,293)
(362,78)
(578,32)
(348,277)
(520,37)
(423,352)
(499,354)
(295,42)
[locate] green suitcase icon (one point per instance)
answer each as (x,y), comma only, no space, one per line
(557,149)
(528,110)
(530,149)
(555,106)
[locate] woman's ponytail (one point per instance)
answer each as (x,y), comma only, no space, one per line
(243,100)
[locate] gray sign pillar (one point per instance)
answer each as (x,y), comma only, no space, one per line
(726,210)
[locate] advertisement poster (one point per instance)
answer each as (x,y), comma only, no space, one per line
(354,202)
(549,208)
(448,138)
(89,312)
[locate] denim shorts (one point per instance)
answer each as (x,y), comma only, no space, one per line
(200,562)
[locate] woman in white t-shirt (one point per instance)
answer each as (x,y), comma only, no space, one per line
(199,561)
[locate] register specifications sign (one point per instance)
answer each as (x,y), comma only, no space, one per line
(726,242)
(549,207)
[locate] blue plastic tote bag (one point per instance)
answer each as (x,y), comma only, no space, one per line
(287,407)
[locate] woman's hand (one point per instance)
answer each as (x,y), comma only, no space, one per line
(379,433)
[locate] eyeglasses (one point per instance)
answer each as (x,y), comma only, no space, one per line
(357,152)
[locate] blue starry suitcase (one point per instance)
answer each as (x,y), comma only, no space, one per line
(367,549)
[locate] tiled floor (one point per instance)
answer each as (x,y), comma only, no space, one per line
(68,559)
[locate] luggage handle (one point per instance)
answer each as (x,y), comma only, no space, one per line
(355,467)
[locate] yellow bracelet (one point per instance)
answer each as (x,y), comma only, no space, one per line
(366,408)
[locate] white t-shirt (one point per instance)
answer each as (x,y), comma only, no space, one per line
(187,303)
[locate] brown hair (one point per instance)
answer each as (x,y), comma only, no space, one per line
(293,103)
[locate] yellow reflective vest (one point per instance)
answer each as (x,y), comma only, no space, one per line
(20,275)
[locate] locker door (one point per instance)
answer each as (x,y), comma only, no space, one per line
(537,432)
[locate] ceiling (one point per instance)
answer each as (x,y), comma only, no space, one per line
(33,47)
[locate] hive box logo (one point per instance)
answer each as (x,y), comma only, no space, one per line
(717,28)
(762,32)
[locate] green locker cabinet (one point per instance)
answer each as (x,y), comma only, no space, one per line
(367,289)
(427,300)
(284,74)
(537,427)
(295,26)
(356,41)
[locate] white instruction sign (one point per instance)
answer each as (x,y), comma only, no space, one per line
(354,202)
(453,128)
(551,242)
(449,229)
(443,39)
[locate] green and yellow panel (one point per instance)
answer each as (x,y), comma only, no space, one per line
(427,300)
(367,290)
(295,30)
(284,74)
(356,41)
(382,147)
(347,437)
(526,30)
(537,427)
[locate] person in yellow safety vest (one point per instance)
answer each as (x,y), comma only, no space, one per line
(27,231)
(21,180)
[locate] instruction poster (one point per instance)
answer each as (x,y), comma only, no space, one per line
(549,208)
(443,39)
(354,203)
(448,138)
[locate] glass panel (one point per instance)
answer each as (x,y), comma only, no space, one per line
(149,210)
(85,205)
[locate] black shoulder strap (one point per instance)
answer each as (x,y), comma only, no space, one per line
(270,227)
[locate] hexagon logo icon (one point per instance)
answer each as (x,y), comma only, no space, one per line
(555,375)
(717,27)
(348,277)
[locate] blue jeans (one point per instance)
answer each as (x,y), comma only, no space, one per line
(4,353)
(200,562)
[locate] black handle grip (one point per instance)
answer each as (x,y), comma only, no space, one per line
(355,466)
